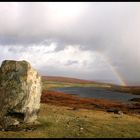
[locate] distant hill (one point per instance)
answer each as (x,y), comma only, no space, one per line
(69,80)
(66,79)
(127,89)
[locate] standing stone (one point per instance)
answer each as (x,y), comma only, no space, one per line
(20,92)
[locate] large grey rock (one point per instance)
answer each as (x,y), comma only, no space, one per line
(20,92)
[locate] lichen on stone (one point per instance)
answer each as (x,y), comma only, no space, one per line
(20,91)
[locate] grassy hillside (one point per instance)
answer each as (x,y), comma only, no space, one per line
(62,122)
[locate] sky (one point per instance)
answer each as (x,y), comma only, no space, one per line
(87,40)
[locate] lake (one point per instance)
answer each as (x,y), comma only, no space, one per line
(99,93)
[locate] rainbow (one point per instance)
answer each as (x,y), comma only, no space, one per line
(117,75)
(116,72)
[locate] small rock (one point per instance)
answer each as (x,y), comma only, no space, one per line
(120,112)
(24,130)
(16,123)
(115,111)
(81,128)
(112,110)
(30,130)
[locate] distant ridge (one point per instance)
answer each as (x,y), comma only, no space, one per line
(119,88)
(73,80)
(66,79)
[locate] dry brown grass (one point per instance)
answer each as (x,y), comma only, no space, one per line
(62,122)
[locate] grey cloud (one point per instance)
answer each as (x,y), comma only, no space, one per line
(109,28)
(70,62)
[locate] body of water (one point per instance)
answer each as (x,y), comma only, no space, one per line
(99,93)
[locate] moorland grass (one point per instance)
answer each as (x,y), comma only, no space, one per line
(62,122)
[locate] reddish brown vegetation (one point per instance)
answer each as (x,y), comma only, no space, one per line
(66,79)
(59,98)
(62,99)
